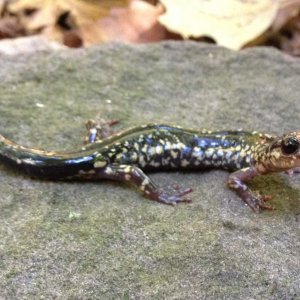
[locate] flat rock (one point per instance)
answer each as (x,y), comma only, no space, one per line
(103,240)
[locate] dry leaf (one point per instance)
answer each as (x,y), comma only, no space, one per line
(231,23)
(287,10)
(288,37)
(285,30)
(10,28)
(135,24)
(2,5)
(39,14)
(59,19)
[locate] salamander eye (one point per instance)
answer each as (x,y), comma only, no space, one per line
(290,145)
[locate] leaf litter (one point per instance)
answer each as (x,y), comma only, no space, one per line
(234,24)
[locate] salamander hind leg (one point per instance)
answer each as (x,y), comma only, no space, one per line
(99,129)
(255,201)
(140,180)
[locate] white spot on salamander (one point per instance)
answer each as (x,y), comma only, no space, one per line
(146,181)
(142,161)
(100,164)
(109,171)
(174,154)
(155,164)
(127,177)
(28,161)
(128,169)
(90,172)
(209,152)
(184,163)
(220,153)
(159,149)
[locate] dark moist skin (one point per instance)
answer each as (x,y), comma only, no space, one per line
(126,155)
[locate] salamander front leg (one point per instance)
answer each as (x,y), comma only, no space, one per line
(237,181)
(139,179)
(291,172)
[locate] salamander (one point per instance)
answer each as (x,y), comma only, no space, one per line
(126,156)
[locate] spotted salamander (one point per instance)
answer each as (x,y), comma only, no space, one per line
(125,156)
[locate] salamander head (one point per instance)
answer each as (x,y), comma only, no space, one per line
(283,153)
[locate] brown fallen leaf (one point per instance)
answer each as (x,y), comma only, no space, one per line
(231,23)
(135,24)
(287,10)
(288,37)
(284,33)
(39,14)
(10,27)
(60,19)
(2,5)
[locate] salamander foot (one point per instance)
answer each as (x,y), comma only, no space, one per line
(257,202)
(171,196)
(99,129)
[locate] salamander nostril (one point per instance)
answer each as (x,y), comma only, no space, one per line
(290,145)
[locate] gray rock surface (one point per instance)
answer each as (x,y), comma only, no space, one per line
(62,240)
